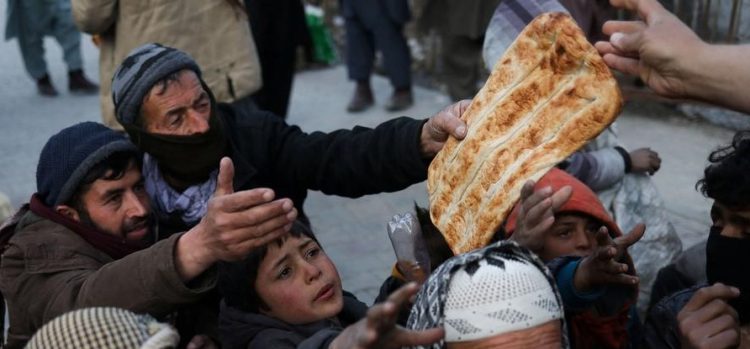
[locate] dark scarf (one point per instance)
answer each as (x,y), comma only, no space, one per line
(187,158)
(113,246)
(727,261)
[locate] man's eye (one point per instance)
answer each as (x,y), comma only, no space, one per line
(113,199)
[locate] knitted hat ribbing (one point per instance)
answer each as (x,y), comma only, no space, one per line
(70,154)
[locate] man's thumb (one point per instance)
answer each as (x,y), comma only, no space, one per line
(225,181)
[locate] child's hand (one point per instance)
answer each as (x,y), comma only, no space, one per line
(708,321)
(379,329)
(601,267)
(537,214)
(644,160)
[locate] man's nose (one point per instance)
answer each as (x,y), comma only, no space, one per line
(135,206)
(198,121)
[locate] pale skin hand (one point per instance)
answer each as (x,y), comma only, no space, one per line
(234,224)
(602,266)
(644,160)
(437,129)
(379,329)
(708,321)
(672,60)
(537,214)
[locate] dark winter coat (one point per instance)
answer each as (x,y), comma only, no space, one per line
(239,329)
(269,153)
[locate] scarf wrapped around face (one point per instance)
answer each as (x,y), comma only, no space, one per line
(429,308)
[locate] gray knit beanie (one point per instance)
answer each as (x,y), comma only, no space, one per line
(69,155)
(104,328)
(138,73)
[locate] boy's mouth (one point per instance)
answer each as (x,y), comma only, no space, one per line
(325,293)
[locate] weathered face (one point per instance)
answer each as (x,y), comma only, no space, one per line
(181,107)
(570,235)
(118,207)
(734,223)
(298,282)
(544,336)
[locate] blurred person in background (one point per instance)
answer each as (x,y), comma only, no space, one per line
(30,21)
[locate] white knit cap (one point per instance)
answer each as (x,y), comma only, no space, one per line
(106,328)
(486,300)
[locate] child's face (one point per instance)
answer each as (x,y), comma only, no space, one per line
(298,282)
(570,235)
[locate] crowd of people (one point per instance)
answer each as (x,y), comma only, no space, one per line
(180,221)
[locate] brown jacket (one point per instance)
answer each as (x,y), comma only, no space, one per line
(48,270)
(214,32)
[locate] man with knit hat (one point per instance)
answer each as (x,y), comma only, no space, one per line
(170,114)
(500,296)
(87,238)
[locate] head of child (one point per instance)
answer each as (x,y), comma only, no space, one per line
(577,222)
(290,279)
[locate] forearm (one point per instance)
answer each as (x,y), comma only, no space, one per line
(720,75)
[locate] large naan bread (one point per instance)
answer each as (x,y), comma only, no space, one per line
(547,96)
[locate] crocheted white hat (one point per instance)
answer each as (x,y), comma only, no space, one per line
(104,328)
(492,297)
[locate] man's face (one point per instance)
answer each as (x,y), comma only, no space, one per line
(298,282)
(570,235)
(183,108)
(734,223)
(118,207)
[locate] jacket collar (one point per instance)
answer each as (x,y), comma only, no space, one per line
(243,170)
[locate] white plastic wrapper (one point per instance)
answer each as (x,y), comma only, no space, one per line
(411,252)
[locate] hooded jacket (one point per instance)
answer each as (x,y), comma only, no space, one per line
(607,322)
(239,329)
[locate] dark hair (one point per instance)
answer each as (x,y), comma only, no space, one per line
(437,247)
(110,169)
(727,178)
(237,279)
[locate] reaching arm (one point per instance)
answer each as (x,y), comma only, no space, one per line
(671,59)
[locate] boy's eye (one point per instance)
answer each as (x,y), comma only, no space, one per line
(285,273)
(312,252)
(563,233)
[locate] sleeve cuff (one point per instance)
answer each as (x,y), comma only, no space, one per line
(626,158)
(573,298)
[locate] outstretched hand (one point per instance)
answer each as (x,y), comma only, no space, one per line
(443,124)
(603,267)
(656,49)
(379,329)
(644,160)
(234,224)
(537,214)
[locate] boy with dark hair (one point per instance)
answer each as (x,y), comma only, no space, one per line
(287,294)
(563,222)
(716,316)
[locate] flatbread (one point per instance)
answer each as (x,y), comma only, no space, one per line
(546,97)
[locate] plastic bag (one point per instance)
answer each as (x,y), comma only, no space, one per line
(323,48)
(411,252)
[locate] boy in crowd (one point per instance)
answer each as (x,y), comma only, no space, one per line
(562,221)
(715,316)
(287,294)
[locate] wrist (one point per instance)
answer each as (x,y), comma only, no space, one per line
(192,256)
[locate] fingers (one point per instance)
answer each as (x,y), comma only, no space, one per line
(603,238)
(707,294)
(527,190)
(402,295)
(225,180)
(462,106)
(405,338)
(624,64)
(560,197)
(536,198)
(627,42)
(242,200)
(627,240)
(714,310)
(448,122)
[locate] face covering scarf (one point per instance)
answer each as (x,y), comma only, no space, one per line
(728,262)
